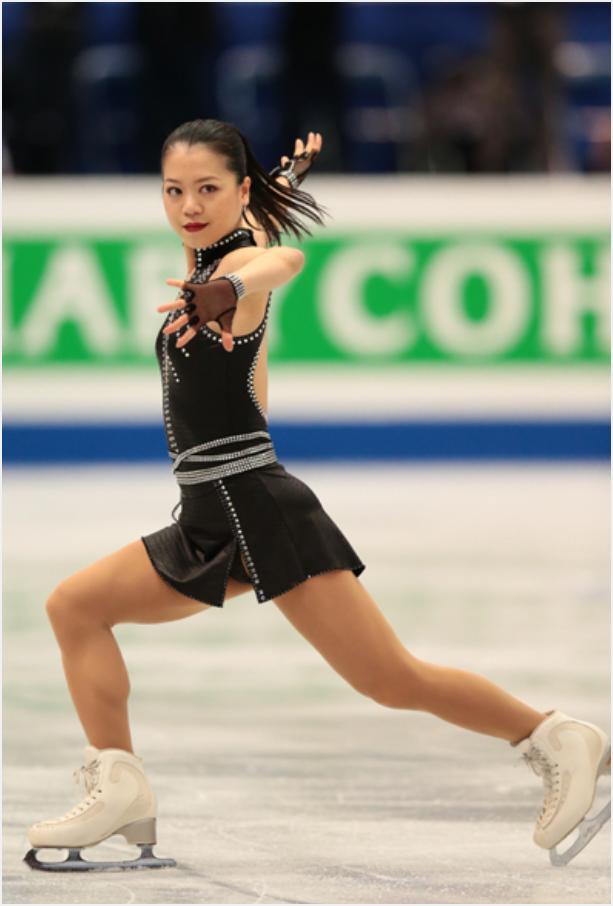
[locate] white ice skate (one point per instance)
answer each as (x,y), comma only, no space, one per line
(119,801)
(569,755)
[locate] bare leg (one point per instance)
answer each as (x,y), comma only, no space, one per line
(339,617)
(120,588)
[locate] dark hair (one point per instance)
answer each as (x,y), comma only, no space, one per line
(267,198)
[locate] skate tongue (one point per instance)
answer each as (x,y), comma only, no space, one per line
(89,753)
(522,747)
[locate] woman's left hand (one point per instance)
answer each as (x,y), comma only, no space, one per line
(211,301)
(304,155)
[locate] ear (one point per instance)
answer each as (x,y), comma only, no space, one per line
(246,186)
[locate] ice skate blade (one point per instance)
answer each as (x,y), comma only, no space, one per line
(588,828)
(75,862)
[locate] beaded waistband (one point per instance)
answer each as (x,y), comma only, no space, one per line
(236,461)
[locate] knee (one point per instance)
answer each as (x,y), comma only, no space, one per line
(63,606)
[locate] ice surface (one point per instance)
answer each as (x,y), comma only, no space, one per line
(277,782)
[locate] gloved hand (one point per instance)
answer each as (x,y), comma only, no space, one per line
(296,168)
(215,300)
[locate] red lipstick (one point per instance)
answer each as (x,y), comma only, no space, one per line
(194,227)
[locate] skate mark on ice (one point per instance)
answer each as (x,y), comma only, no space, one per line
(187,871)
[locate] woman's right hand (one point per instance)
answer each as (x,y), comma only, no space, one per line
(202,302)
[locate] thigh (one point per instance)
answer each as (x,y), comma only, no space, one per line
(335,612)
(124,587)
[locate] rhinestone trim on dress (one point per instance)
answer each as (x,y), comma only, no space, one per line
(251,376)
(166,364)
(244,338)
(230,468)
(249,458)
(201,253)
(240,537)
(220,441)
(235,455)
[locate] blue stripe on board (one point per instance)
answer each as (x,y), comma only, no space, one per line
(57,443)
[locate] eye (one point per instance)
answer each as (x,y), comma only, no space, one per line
(170,190)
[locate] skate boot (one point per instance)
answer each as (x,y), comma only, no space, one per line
(119,801)
(569,755)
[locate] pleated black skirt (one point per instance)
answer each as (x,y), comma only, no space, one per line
(264,526)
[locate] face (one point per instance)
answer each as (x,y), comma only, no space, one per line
(199,189)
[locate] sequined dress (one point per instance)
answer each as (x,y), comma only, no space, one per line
(242,514)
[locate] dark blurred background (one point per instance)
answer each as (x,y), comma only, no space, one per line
(393,87)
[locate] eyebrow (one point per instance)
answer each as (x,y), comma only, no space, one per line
(202,179)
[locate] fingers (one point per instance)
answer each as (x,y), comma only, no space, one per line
(314,143)
(227,340)
(176,303)
(189,334)
(176,325)
(171,306)
(184,319)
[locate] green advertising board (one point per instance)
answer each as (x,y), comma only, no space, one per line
(372,296)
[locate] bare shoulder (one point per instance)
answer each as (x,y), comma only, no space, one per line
(259,234)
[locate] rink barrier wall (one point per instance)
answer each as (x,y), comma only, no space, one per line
(320,441)
(486,300)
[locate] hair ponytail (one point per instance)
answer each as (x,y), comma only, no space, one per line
(276,208)
(269,199)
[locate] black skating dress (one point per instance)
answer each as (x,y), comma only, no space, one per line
(236,498)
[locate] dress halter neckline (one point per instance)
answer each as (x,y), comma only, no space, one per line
(232,240)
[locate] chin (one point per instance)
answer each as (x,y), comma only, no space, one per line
(193,240)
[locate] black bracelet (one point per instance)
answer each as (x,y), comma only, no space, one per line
(288,174)
(237,284)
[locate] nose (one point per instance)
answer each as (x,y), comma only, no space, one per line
(192,206)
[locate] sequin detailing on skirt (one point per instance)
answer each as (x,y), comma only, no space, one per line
(240,537)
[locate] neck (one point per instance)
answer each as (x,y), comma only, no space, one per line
(225,239)
(236,238)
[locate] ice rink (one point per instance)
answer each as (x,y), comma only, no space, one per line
(276,781)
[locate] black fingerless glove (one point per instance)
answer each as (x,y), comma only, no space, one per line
(215,300)
(296,170)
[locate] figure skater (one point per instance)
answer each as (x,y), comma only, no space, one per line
(247,524)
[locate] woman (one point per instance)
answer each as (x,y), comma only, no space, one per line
(248,524)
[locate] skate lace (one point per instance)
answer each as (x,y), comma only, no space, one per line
(544,767)
(90,774)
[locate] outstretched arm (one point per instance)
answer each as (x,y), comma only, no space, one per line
(262,270)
